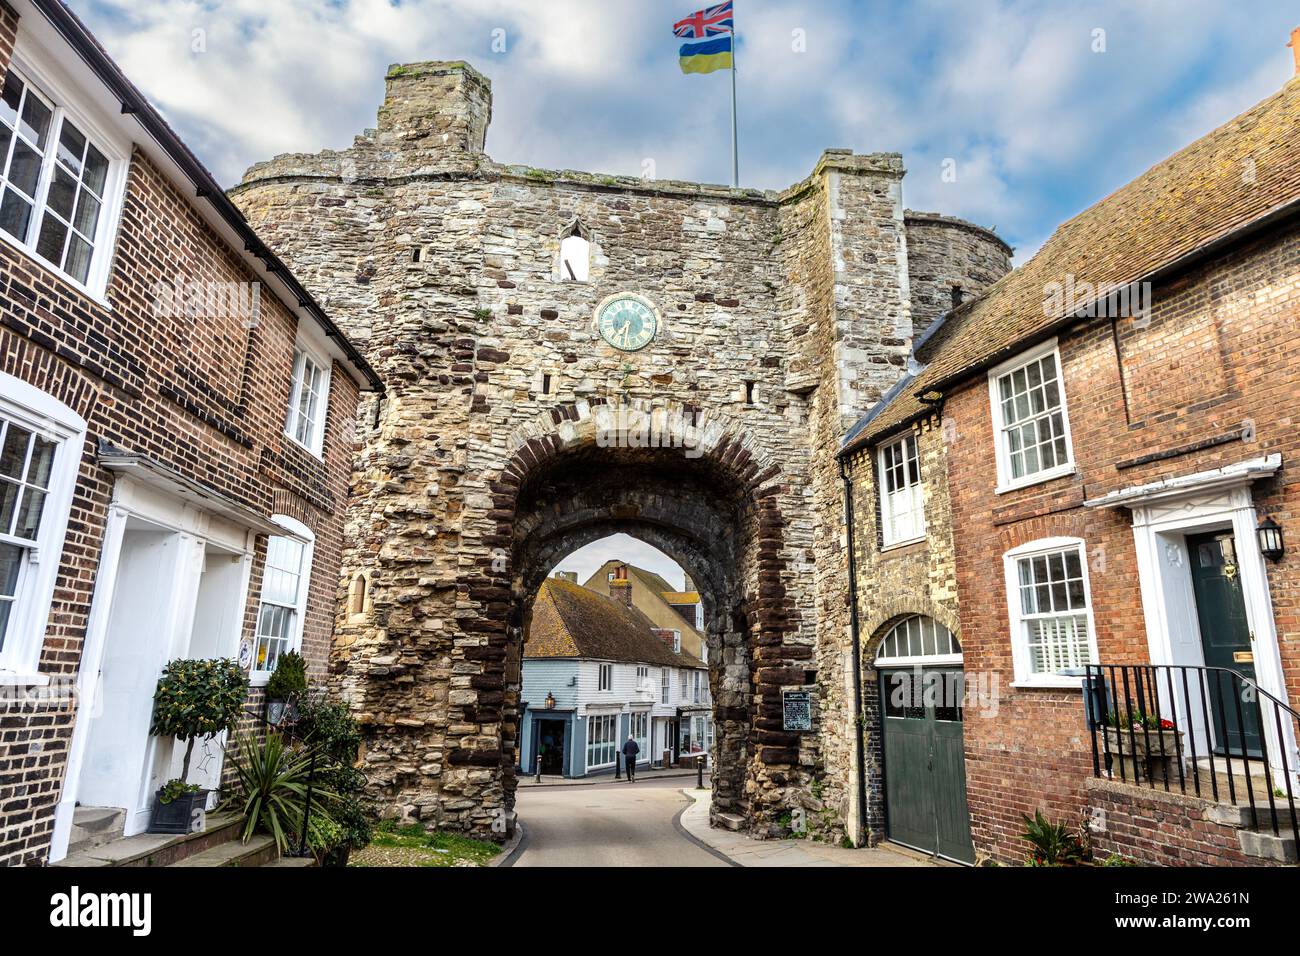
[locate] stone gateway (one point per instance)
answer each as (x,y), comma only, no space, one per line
(568,356)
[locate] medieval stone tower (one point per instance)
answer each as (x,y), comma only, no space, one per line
(511,431)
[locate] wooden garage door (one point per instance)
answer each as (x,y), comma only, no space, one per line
(925,771)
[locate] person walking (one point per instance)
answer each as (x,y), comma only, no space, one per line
(630,750)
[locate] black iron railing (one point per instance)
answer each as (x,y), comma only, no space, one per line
(1172,726)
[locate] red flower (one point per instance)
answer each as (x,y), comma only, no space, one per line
(1166,724)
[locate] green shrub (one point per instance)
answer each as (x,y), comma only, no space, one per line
(329,726)
(272,787)
(197,699)
(1054,844)
(289,680)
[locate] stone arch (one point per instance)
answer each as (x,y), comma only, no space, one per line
(693,486)
(893,611)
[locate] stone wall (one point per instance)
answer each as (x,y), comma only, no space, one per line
(945,253)
(784,316)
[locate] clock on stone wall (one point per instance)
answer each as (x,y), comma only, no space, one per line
(627,321)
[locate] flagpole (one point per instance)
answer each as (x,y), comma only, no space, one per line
(735,139)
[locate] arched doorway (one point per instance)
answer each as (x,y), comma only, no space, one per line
(922,697)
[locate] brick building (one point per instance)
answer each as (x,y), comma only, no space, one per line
(1077,475)
(176,412)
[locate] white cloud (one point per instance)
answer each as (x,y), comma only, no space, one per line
(1040,125)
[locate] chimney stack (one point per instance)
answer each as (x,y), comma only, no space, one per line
(1295,48)
(620,589)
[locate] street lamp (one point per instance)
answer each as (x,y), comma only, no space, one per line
(1271,545)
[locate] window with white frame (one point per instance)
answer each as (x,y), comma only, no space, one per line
(642,678)
(602,735)
(605,679)
(40,446)
(308,400)
(917,638)
(682,689)
(902,514)
(665,675)
(1029,419)
(698,692)
(677,642)
(57,183)
(285,582)
(641,733)
(1051,611)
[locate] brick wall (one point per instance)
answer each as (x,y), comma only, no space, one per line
(1162,829)
(205,398)
(1218,357)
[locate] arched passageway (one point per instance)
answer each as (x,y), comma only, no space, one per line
(715,514)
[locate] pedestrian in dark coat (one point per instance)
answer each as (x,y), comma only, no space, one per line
(630,750)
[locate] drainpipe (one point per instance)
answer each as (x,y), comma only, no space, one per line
(855,630)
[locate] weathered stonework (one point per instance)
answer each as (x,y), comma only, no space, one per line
(784,316)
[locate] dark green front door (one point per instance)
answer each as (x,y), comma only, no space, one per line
(925,765)
(1226,639)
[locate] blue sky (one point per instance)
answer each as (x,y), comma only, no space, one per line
(1040,113)
(1039,120)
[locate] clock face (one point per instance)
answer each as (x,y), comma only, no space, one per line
(627,322)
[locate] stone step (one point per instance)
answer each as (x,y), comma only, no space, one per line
(157,849)
(292,862)
(95,826)
(260,850)
(1268,847)
(732,821)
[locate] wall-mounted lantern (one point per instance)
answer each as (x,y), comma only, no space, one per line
(550,701)
(1271,545)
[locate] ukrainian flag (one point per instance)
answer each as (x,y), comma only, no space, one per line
(707,57)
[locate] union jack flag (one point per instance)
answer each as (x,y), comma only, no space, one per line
(715,21)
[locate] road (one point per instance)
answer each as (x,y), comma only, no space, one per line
(615,824)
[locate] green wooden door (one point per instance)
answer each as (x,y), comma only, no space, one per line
(1226,639)
(925,765)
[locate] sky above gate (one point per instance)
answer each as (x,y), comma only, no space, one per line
(622,547)
(1015,115)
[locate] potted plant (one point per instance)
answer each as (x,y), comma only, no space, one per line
(286,687)
(195,698)
(1147,743)
(328,725)
(275,783)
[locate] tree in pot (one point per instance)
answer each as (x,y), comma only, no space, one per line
(328,726)
(288,685)
(195,698)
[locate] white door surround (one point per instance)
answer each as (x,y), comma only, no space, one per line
(199,540)
(1164,514)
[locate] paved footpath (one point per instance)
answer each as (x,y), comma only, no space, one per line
(746,851)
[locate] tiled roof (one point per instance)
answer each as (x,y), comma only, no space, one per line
(573,622)
(1228,179)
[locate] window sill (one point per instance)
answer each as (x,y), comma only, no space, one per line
(1049,683)
(1061,471)
(318,455)
(15,679)
(910,543)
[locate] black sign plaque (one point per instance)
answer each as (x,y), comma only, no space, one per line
(797,710)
